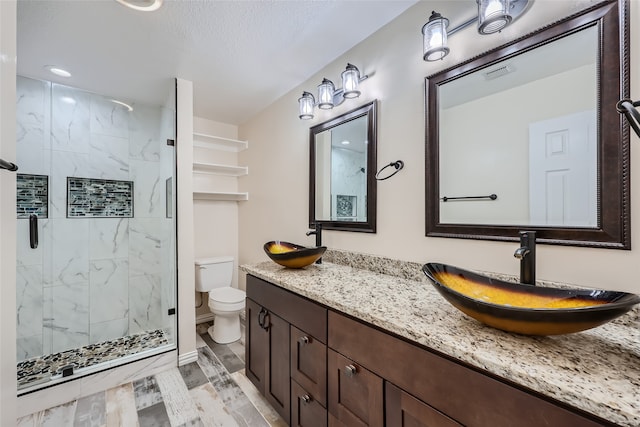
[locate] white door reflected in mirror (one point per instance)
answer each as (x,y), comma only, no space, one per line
(487,119)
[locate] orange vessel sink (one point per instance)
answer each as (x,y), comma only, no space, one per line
(291,255)
(527,309)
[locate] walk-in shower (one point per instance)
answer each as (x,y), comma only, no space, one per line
(96,276)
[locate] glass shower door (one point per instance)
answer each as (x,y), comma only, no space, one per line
(96,188)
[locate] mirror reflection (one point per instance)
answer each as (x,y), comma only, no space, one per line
(342,185)
(341,172)
(536,149)
(534,125)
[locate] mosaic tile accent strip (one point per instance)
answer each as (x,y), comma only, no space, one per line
(32,195)
(41,368)
(99,198)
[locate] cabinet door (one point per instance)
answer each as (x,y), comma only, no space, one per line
(306,411)
(267,356)
(404,410)
(309,364)
(256,350)
(277,391)
(355,394)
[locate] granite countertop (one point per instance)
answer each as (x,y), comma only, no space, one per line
(597,371)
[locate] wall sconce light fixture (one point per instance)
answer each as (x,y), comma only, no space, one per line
(493,16)
(329,96)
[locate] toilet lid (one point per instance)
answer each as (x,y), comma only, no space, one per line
(227,295)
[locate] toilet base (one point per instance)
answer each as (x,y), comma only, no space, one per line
(226,328)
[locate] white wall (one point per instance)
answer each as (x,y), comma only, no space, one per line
(8,382)
(278,158)
(477,154)
(215,222)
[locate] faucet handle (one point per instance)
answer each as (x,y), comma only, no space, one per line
(521,252)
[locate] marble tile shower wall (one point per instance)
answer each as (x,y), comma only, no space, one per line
(92,279)
(348,163)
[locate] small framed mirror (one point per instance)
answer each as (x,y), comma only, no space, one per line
(527,136)
(342,184)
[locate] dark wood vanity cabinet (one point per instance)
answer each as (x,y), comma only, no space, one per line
(436,391)
(267,356)
(318,367)
(286,352)
(404,410)
(309,364)
(356,395)
(306,411)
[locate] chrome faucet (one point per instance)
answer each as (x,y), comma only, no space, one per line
(318,234)
(526,253)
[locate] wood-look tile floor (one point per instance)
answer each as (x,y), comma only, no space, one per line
(213,391)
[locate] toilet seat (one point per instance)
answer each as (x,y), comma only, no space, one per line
(226,299)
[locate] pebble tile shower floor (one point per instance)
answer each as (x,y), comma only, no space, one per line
(213,391)
(38,369)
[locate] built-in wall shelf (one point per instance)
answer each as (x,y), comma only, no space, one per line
(216,195)
(218,143)
(204,140)
(218,169)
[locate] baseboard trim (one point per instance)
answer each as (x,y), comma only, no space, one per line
(187,358)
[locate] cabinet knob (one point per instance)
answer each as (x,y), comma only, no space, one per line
(304,340)
(350,370)
(305,399)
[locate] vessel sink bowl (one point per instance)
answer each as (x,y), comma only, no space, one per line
(527,309)
(291,255)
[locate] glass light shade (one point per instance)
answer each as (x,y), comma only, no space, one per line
(434,34)
(326,89)
(350,81)
(305,104)
(493,15)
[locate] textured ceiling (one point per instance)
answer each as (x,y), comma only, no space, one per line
(240,55)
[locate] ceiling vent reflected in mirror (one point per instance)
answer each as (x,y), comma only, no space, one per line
(499,72)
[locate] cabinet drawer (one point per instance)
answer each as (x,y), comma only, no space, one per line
(471,397)
(355,394)
(297,310)
(309,364)
(404,410)
(306,410)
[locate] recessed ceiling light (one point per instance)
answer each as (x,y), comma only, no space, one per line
(142,5)
(127,106)
(58,71)
(345,142)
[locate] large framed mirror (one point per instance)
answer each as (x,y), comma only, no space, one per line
(342,184)
(527,137)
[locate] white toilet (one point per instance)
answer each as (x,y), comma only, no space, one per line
(214,275)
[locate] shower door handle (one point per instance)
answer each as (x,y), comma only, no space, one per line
(33,231)
(11,167)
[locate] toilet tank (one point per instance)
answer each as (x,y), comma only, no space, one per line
(213,273)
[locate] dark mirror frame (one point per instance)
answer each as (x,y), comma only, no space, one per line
(613,230)
(368,226)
